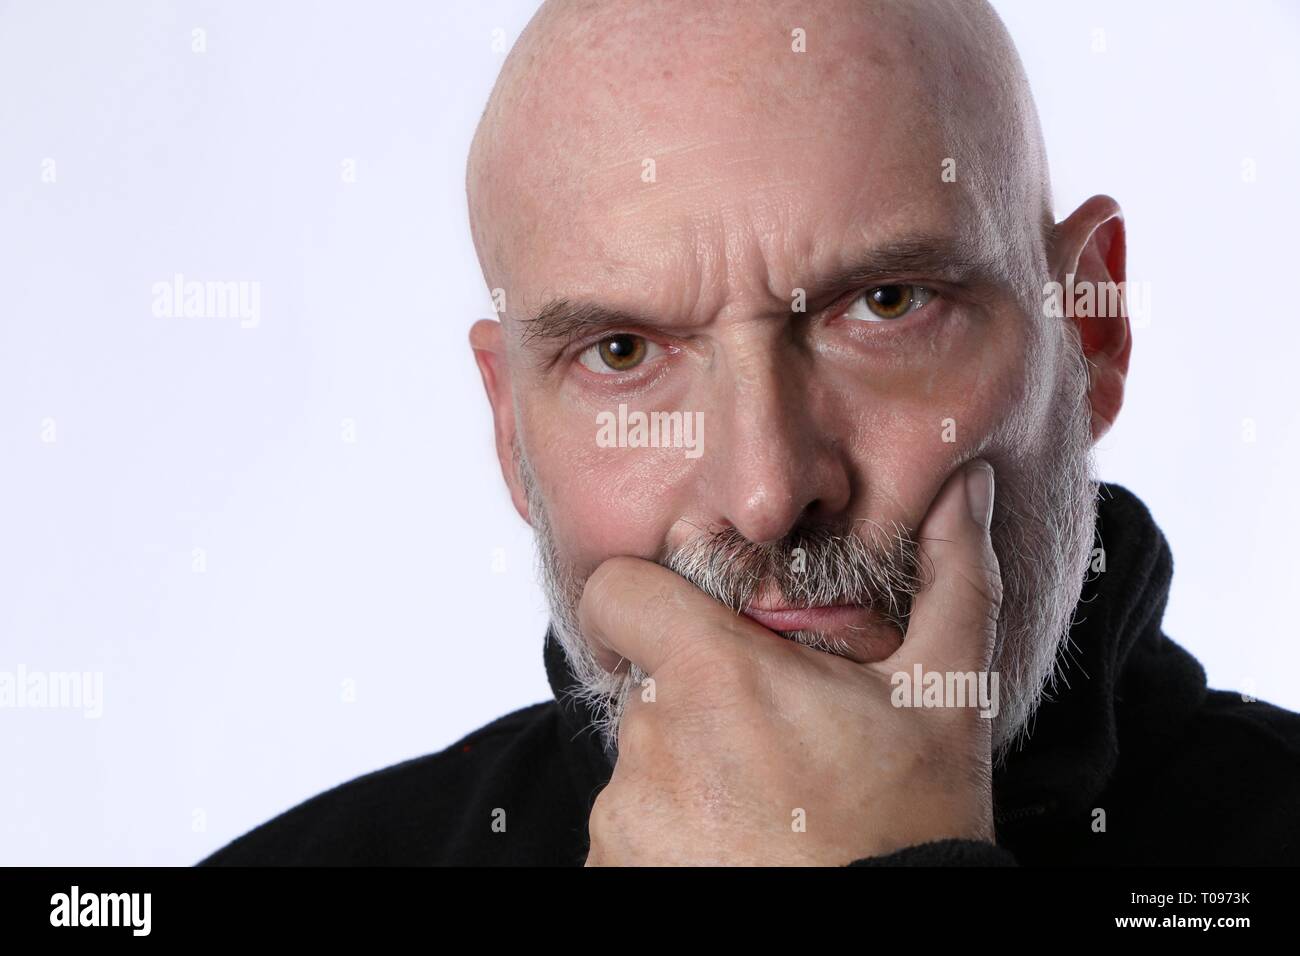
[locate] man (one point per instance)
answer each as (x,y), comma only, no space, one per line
(786,383)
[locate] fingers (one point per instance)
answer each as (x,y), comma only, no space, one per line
(953,624)
(643,612)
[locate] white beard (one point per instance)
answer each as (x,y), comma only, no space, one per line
(1043,531)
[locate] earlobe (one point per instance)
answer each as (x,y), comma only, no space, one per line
(487,339)
(1106,394)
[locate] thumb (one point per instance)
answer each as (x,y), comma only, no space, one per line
(953,624)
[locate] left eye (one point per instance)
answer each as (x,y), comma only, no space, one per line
(618,353)
(888,302)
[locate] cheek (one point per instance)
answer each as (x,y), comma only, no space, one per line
(914,421)
(604,501)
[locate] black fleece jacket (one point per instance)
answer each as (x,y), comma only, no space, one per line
(1184,775)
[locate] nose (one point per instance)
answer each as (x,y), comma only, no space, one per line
(778,464)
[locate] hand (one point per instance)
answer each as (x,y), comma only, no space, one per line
(756,750)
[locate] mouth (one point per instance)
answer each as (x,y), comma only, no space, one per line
(864,634)
(807,618)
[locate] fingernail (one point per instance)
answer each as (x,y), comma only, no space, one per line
(979,493)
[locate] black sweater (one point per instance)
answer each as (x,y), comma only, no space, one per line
(1185,775)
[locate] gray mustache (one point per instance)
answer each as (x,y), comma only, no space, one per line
(811,567)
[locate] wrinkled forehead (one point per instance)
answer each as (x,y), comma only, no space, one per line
(702,177)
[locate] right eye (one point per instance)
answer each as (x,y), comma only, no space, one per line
(616,353)
(887,303)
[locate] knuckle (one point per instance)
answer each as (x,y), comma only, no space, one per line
(986,584)
(602,605)
(719,667)
(604,583)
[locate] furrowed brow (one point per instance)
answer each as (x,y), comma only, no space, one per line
(916,258)
(562,321)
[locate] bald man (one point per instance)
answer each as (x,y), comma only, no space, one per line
(796,378)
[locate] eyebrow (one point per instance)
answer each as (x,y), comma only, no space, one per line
(562,321)
(940,258)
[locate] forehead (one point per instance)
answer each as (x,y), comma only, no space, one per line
(686,184)
(744,220)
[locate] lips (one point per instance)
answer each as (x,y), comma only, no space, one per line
(807,618)
(865,634)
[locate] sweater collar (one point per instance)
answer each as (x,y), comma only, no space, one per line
(1123,683)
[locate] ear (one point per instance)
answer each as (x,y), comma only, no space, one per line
(1089,246)
(487,339)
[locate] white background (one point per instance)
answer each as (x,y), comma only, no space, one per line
(370,562)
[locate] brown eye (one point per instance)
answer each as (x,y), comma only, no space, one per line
(889,302)
(622,352)
(617,353)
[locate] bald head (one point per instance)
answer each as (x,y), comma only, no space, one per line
(650,105)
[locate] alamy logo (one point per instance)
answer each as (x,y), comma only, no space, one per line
(946,689)
(235,299)
(53,690)
(651,430)
(102,909)
(1106,300)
